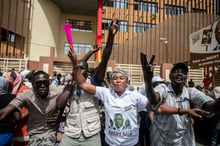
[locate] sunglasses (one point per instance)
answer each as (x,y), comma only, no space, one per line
(40,83)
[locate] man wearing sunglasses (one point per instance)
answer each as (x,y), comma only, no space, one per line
(43,110)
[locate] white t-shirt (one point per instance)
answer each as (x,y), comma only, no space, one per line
(121,122)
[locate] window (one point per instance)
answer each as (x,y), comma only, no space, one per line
(3,36)
(106,23)
(77,48)
(142,27)
(108,3)
(195,10)
(146,6)
(173,10)
(81,25)
(123,4)
(123,26)
(11,37)
(7,35)
(216,7)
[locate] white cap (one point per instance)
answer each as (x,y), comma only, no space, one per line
(157,79)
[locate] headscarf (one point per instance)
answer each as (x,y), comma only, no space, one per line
(3,86)
(24,73)
(119,70)
(14,78)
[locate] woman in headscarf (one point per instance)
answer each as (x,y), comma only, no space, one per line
(14,80)
(7,124)
(121,105)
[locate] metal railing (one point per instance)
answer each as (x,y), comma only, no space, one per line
(7,64)
(133,70)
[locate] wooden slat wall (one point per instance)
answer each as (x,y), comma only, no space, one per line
(175,28)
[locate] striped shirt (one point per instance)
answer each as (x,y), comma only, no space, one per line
(175,130)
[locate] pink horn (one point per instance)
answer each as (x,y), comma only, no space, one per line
(67,29)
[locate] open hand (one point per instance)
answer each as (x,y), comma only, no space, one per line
(196,112)
(114,27)
(94,49)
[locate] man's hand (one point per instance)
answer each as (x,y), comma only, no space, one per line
(94,49)
(114,27)
(73,57)
(196,112)
(148,68)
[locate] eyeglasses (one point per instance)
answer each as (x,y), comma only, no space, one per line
(40,83)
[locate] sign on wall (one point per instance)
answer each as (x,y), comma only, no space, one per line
(205,46)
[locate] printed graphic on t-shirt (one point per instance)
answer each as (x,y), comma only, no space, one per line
(120,124)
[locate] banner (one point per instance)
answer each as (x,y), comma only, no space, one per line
(205,46)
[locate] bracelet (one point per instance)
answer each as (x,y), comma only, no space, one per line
(76,66)
(178,111)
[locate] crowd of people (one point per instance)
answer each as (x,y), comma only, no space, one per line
(89,107)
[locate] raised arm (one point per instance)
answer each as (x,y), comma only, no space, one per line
(64,96)
(78,77)
(100,72)
(91,51)
(148,69)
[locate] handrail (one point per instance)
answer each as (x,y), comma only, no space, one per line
(12,63)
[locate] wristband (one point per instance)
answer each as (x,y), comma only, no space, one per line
(178,111)
(76,66)
(79,64)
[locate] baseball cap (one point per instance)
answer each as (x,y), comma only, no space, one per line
(180,65)
(217,92)
(157,79)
